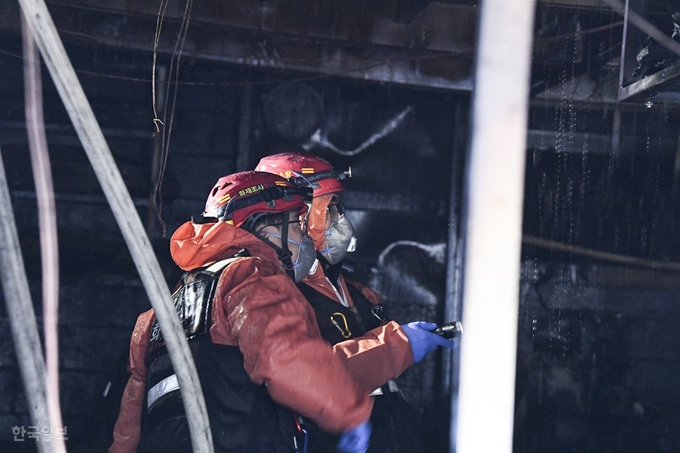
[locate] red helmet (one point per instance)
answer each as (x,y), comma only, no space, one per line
(305,170)
(238,196)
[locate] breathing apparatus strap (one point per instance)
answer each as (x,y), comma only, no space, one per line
(284,252)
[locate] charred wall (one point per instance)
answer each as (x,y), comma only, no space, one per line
(597,353)
(599,296)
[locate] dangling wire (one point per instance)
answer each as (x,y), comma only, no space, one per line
(157,37)
(171,84)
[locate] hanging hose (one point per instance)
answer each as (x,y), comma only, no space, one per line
(21,315)
(40,160)
(97,150)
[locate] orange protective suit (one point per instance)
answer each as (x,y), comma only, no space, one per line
(258,308)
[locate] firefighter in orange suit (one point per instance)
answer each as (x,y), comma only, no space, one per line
(347,310)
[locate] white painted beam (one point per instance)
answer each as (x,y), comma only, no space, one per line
(494,199)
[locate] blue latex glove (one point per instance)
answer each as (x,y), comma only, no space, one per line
(356,440)
(422,340)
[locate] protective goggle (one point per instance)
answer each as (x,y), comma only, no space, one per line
(335,209)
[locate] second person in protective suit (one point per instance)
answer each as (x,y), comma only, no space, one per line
(346,309)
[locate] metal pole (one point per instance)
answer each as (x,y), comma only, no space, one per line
(495,192)
(454,265)
(90,134)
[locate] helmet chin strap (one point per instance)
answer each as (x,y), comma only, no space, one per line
(283,252)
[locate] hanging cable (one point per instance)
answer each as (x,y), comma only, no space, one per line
(167,132)
(157,37)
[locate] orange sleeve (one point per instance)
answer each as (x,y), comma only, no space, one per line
(127,431)
(381,354)
(275,329)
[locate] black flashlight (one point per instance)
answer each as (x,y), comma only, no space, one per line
(451,330)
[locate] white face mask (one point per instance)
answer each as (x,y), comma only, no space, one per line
(340,240)
(305,258)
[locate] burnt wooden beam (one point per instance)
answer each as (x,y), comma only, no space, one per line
(435,52)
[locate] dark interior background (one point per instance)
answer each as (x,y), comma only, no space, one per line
(384,88)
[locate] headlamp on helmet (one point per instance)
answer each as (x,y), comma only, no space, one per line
(306,171)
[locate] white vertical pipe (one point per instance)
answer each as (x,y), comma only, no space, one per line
(47,218)
(97,150)
(494,223)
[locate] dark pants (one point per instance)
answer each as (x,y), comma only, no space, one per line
(169,436)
